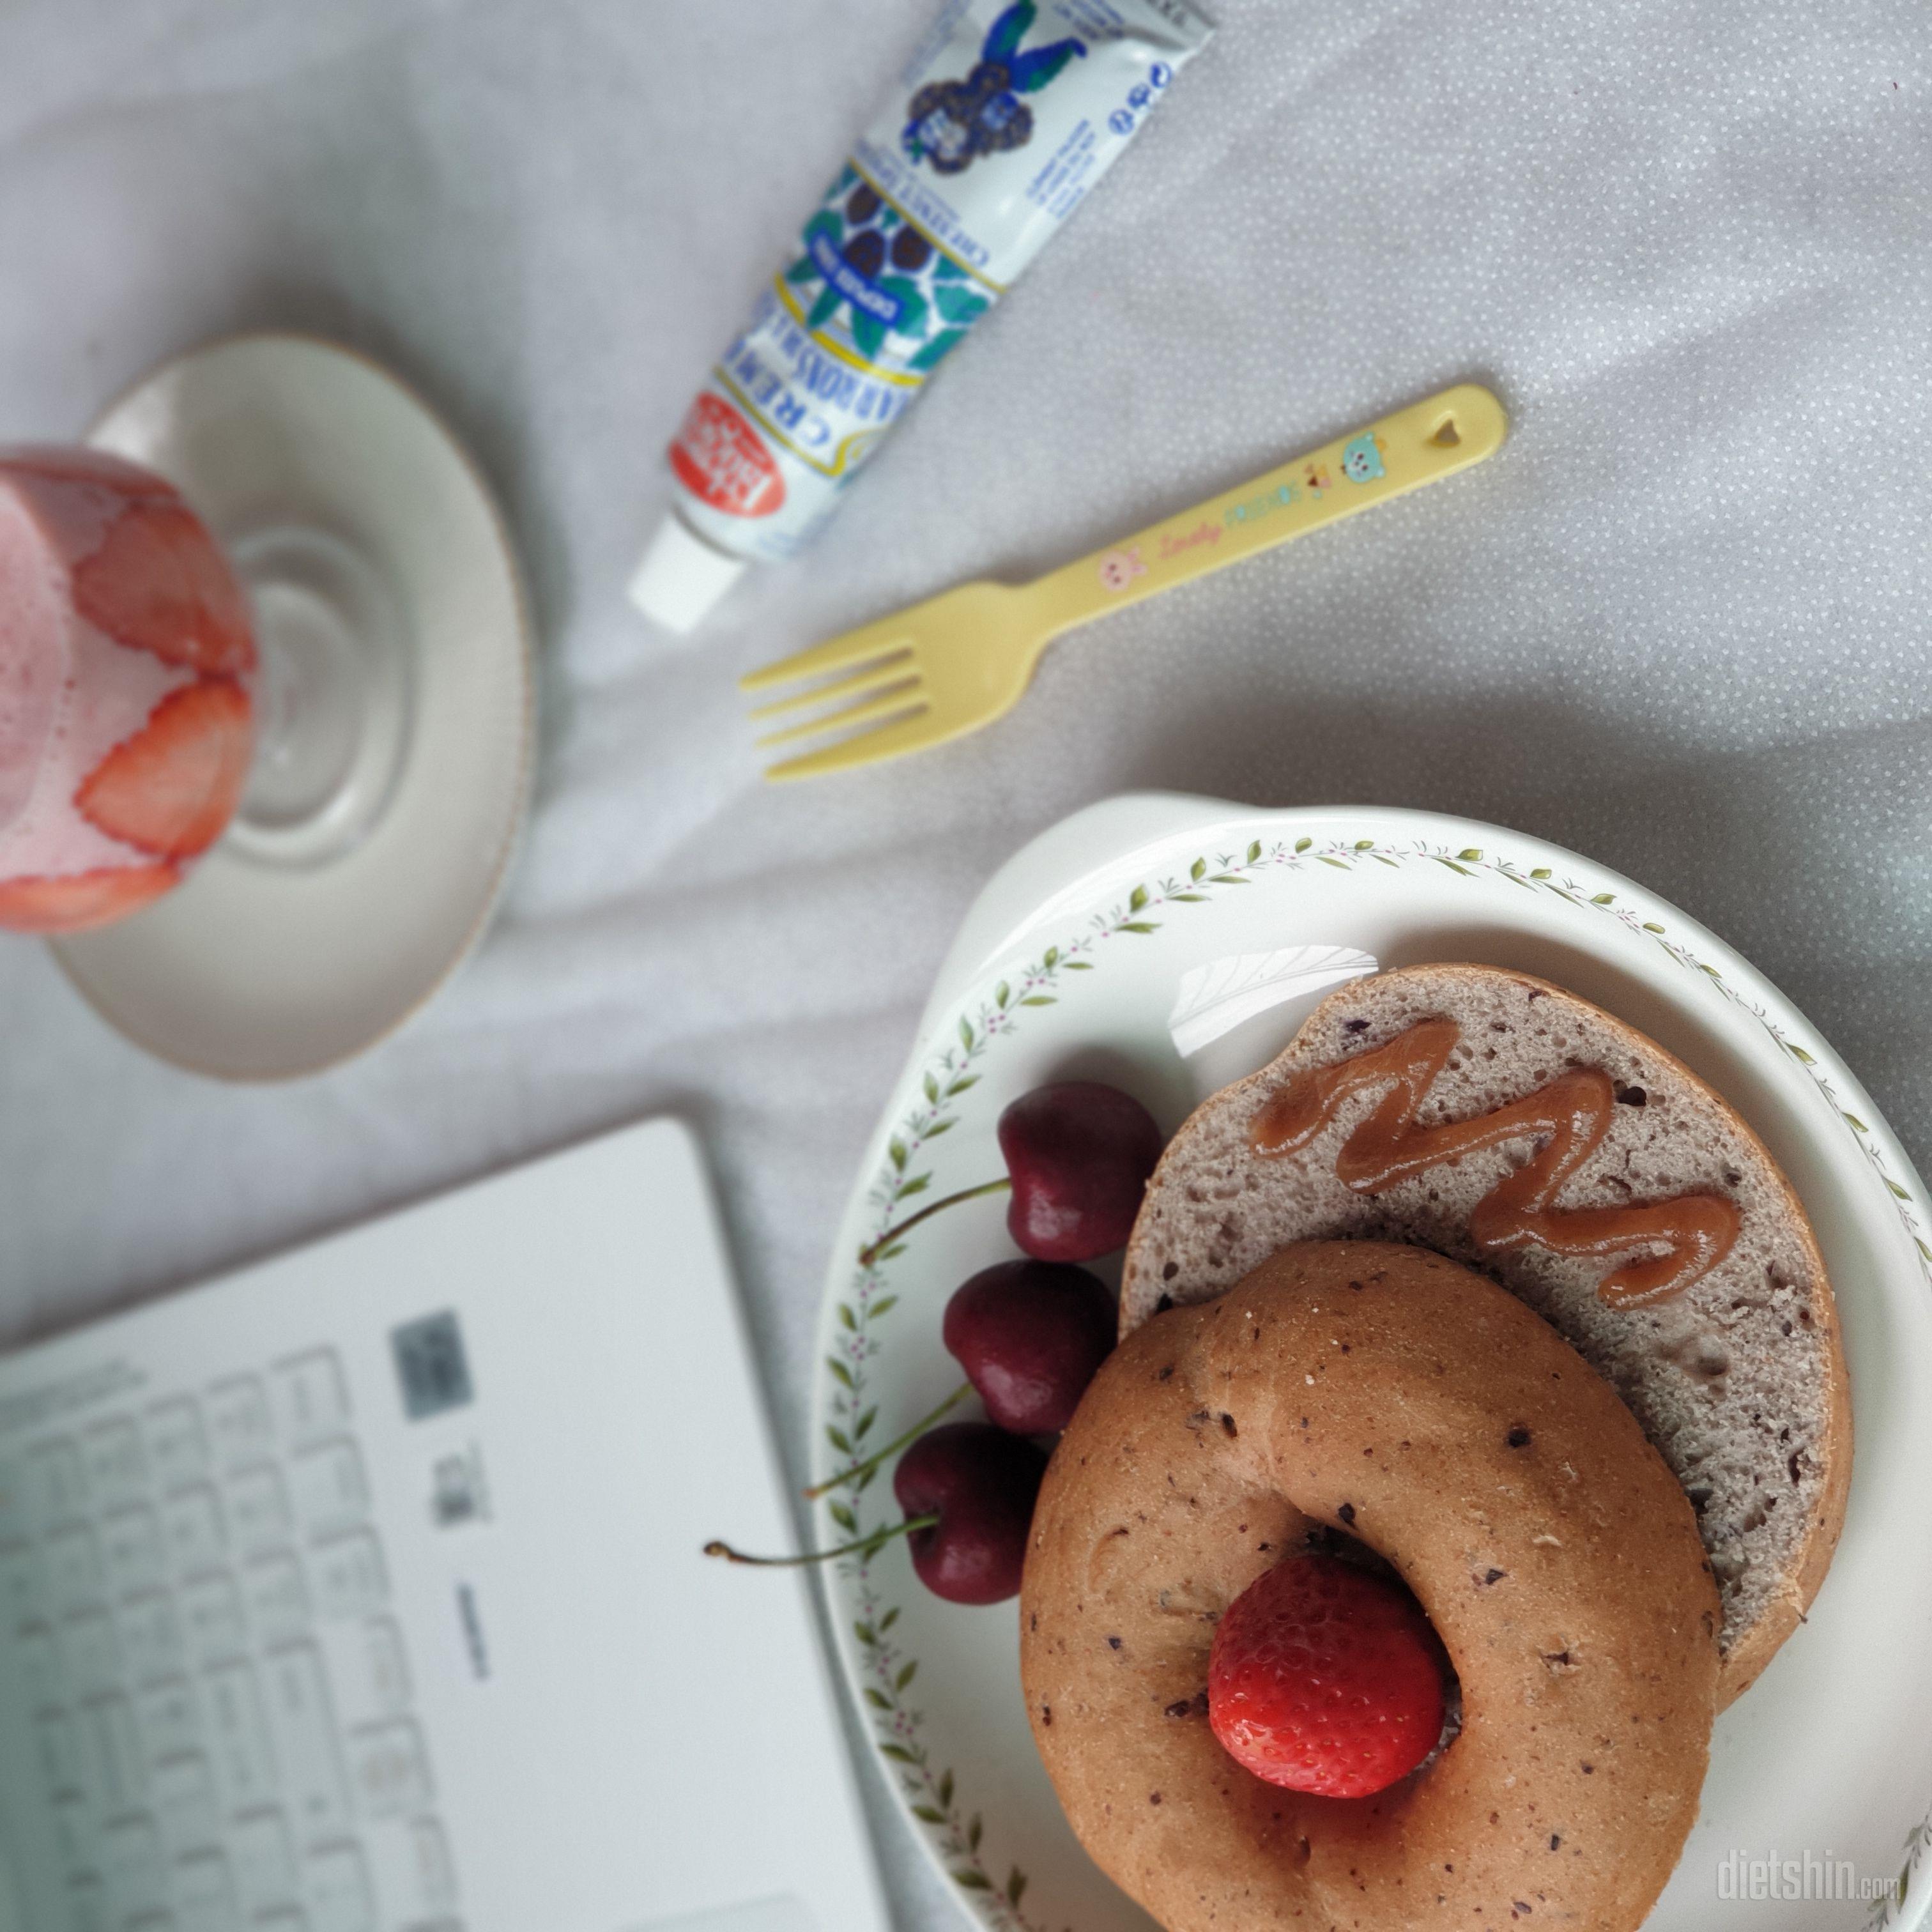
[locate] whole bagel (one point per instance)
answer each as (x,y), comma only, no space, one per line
(1391,1394)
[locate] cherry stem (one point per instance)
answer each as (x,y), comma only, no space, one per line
(871,1545)
(899,1442)
(866,1255)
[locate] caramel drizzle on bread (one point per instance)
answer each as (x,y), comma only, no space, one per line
(1566,1120)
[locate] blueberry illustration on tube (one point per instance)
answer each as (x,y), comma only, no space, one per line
(1002,124)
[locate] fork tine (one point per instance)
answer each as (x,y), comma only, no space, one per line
(839,653)
(895,700)
(880,741)
(893,670)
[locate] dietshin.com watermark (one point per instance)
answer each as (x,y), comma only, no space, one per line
(1805,1875)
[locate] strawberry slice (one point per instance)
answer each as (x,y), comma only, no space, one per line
(171,787)
(81,899)
(158,584)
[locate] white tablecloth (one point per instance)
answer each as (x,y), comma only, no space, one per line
(1680,623)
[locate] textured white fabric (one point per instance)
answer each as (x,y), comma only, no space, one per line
(1680,623)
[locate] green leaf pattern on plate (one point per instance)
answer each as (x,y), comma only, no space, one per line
(1891,1906)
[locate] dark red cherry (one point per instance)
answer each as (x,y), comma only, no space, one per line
(981,1482)
(1079,1153)
(1030,1336)
(861,204)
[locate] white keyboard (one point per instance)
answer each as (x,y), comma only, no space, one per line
(195,1599)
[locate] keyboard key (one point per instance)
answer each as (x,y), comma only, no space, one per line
(434,1876)
(276,1597)
(74,1568)
(329,1488)
(184,1802)
(212,1613)
(237,1421)
(117,1466)
(311,1397)
(151,1638)
(258,1509)
(350,1578)
(57,1747)
(132,1865)
(388,1669)
(87,1909)
(170,1722)
(337,1881)
(131,1539)
(191,1522)
(115,1773)
(73,1841)
(177,1447)
(23,1587)
(238,1737)
(264,1868)
(388,1770)
(13,1523)
(56,1485)
(204,1899)
(40,1666)
(300,1718)
(90,1657)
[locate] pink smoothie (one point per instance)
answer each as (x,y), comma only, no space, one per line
(125,666)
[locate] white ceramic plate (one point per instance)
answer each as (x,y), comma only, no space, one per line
(260,971)
(1068,967)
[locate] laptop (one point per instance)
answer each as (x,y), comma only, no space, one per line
(361,1591)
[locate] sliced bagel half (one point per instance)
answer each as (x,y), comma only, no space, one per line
(1738,1379)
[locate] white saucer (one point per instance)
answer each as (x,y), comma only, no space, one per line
(284,954)
(1067,967)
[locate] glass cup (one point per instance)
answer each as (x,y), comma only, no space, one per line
(158,692)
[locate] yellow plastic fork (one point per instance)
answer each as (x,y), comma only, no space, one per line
(959,660)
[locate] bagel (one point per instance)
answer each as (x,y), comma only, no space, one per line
(1394,1393)
(1738,1379)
